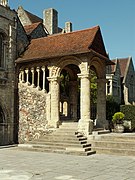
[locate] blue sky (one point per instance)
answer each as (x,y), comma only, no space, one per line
(116,19)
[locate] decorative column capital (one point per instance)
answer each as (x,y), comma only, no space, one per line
(86,75)
(26,70)
(43,68)
(38,69)
(54,78)
(32,70)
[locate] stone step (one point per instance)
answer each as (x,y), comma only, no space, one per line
(114,144)
(55,141)
(116,137)
(114,151)
(62,138)
(73,151)
(62,144)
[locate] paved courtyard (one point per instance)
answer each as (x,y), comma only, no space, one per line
(26,165)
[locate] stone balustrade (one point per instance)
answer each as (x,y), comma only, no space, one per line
(34,77)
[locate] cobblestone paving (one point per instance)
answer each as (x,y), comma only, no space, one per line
(26,165)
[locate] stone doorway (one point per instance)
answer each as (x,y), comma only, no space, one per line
(70,93)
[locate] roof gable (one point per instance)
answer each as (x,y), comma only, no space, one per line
(33,18)
(98,44)
(30,28)
(26,17)
(65,44)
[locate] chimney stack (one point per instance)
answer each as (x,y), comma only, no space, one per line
(68,27)
(4,3)
(50,20)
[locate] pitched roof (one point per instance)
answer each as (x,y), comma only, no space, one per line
(65,44)
(30,28)
(113,66)
(123,62)
(33,18)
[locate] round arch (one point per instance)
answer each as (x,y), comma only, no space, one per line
(65,61)
(99,67)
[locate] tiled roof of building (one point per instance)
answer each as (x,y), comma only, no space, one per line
(113,67)
(33,18)
(65,44)
(123,62)
(30,28)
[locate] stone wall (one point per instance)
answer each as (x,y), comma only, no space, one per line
(22,39)
(32,113)
(38,32)
(7,74)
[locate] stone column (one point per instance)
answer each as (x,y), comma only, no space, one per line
(43,69)
(73,98)
(85,125)
(22,76)
(27,76)
(101,104)
(54,102)
(38,78)
(32,71)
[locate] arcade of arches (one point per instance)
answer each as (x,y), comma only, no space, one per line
(65,90)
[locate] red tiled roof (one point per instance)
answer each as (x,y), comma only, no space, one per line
(123,62)
(33,18)
(30,28)
(65,44)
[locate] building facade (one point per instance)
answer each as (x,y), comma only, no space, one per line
(45,75)
(121,80)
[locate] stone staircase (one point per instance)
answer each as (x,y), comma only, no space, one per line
(63,140)
(114,143)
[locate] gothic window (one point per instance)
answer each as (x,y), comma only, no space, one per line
(1,51)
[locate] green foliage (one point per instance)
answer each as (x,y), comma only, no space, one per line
(129,111)
(118,117)
(93,87)
(64,85)
(111,107)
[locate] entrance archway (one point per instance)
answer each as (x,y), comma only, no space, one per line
(70,93)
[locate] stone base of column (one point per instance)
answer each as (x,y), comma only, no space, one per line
(54,124)
(85,127)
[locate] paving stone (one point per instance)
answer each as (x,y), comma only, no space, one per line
(25,165)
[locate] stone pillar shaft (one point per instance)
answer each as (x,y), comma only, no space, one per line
(101,104)
(32,71)
(27,76)
(43,69)
(54,82)
(22,74)
(85,97)
(85,125)
(38,78)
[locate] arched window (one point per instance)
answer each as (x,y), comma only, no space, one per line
(1,50)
